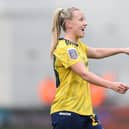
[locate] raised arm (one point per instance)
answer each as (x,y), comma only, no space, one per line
(98,53)
(80,69)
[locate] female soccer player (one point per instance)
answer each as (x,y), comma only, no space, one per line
(72,107)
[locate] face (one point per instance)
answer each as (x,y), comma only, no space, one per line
(78,24)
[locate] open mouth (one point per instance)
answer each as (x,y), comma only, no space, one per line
(83,29)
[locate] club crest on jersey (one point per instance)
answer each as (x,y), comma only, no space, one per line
(72,53)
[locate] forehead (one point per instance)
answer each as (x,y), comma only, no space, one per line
(78,13)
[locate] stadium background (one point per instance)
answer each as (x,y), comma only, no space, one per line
(26,77)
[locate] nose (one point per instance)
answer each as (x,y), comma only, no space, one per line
(85,23)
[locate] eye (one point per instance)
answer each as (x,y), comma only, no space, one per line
(81,18)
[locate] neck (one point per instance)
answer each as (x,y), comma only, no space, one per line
(71,37)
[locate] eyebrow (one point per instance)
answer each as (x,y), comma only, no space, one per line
(82,17)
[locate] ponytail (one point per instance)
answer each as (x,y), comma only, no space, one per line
(59,18)
(56,29)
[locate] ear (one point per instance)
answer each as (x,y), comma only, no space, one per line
(68,24)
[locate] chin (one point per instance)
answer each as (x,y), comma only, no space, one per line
(81,36)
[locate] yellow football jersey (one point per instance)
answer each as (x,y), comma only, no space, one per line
(73,93)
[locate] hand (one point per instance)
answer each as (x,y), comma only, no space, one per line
(126,51)
(120,87)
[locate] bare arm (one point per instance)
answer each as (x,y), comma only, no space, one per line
(105,52)
(80,69)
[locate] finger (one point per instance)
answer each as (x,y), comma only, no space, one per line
(122,92)
(127,87)
(123,86)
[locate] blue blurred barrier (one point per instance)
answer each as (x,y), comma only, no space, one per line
(24,118)
(111,117)
(4,115)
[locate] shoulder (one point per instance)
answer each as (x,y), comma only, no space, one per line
(65,48)
(63,45)
(83,45)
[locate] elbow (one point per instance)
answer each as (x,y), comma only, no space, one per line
(98,56)
(84,75)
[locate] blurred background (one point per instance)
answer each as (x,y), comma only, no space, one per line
(27,83)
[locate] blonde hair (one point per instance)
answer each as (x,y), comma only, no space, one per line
(60,16)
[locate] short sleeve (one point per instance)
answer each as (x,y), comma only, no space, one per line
(84,46)
(67,55)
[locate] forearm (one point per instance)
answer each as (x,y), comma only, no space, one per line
(116,86)
(80,69)
(106,52)
(94,79)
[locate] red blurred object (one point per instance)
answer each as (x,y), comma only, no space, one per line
(118,118)
(98,93)
(47,91)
